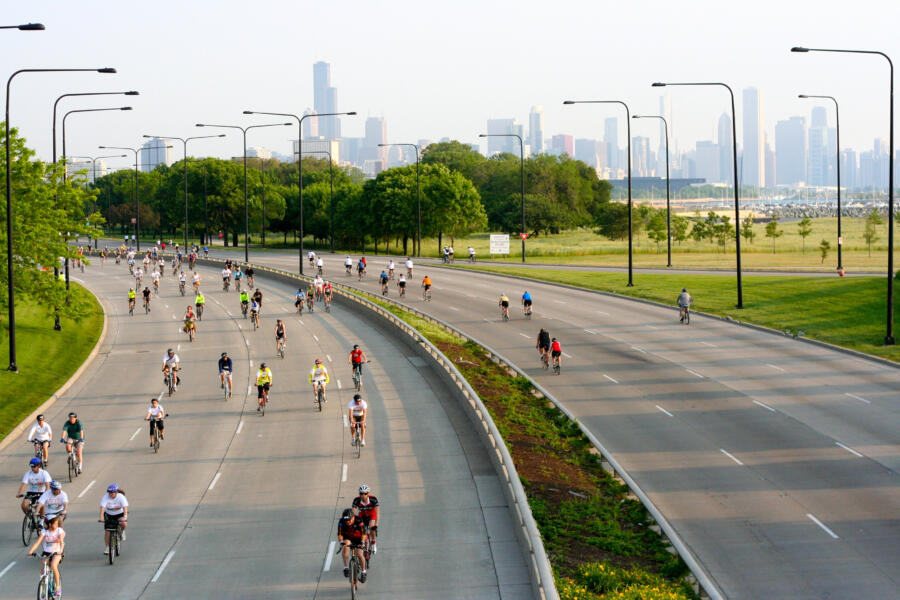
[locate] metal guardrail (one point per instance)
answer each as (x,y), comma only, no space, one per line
(541,571)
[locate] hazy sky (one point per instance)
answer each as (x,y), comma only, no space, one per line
(439,69)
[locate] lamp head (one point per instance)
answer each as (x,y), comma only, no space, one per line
(125,108)
(132,93)
(802,96)
(482,135)
(102,147)
(249,112)
(287,123)
(381,145)
(352,113)
(657,84)
(568,102)
(32,27)
(106,70)
(635,116)
(221,135)
(799,49)
(200,125)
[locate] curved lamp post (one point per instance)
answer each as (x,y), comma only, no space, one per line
(418,197)
(81,110)
(668,207)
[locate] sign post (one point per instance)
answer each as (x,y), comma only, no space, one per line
(499,243)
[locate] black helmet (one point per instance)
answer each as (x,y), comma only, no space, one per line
(224,354)
(355,346)
(357,397)
(347,514)
(683,289)
(71,414)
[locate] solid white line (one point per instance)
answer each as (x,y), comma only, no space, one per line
(849,449)
(215,480)
(822,525)
(328,356)
(775,367)
(329,555)
(726,453)
(315,337)
(590,332)
(610,378)
(639,350)
(766,406)
(346,423)
(178,347)
(240,426)
(695,373)
(344,473)
(8,567)
(524,335)
(453,308)
(249,389)
(708,344)
(339,383)
(855,397)
(567,355)
(84,491)
(134,435)
(664,410)
(163,566)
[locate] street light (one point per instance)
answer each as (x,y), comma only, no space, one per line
(668,207)
(184,141)
(522,173)
(56,103)
(737,202)
(628,134)
(837,119)
(330,194)
(13,367)
(81,110)
(300,154)
(889,335)
(418,198)
(244,131)
(25,27)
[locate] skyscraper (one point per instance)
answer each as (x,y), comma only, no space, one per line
(611,137)
(726,149)
(376,133)
(641,157)
(706,161)
(754,161)
(503,144)
(563,144)
(665,110)
(586,151)
(536,129)
(790,151)
(154,153)
(325,101)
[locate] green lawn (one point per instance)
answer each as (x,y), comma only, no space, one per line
(849,312)
(46,358)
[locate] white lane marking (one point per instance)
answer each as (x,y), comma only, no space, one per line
(346,423)
(590,332)
(251,362)
(178,347)
(300,321)
(610,378)
(84,491)
(649,326)
(247,342)
(239,326)
(694,373)
(134,435)
(8,567)
(329,554)
(344,473)
(315,337)
(524,335)
(163,566)
(849,449)
(766,406)
(453,308)
(229,312)
(559,301)
(639,350)
(284,309)
(731,456)
(855,397)
(603,313)
(775,367)
(328,356)
(708,344)
(339,383)
(215,480)
(664,410)
(167,306)
(567,355)
(486,320)
(174,317)
(159,398)
(240,426)
(249,389)
(822,525)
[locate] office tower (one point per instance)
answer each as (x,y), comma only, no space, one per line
(726,150)
(259,152)
(770,165)
(325,101)
(611,138)
(818,144)
(536,129)
(819,117)
(509,145)
(376,133)
(665,110)
(790,151)
(563,144)
(317,149)
(849,170)
(754,161)
(586,151)
(640,156)
(831,156)
(706,161)
(310,125)
(154,153)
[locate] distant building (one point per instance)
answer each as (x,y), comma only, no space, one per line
(563,144)
(259,152)
(325,101)
(155,152)
(706,161)
(642,159)
(770,165)
(586,151)
(790,151)
(536,129)
(848,169)
(753,172)
(726,150)
(611,138)
(665,110)
(317,149)
(509,145)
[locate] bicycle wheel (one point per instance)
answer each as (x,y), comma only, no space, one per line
(27,530)
(354,573)
(687,317)
(357,383)
(265,400)
(113,546)
(71,468)
(156,442)
(43,592)
(358,439)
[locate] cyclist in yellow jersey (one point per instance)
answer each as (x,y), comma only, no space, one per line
(318,375)
(504,305)
(200,301)
(263,383)
(131,298)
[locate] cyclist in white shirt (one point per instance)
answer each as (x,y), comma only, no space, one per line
(138,277)
(34,483)
(348,264)
(357,411)
(318,375)
(318,282)
(161,264)
(171,361)
(146,263)
(226,276)
(113,511)
(409,267)
(53,542)
(182,279)
(471,253)
(311,256)
(196,280)
(391,269)
(54,502)
(320,263)
(155,414)
(154,277)
(42,432)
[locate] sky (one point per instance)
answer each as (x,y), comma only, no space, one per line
(436,70)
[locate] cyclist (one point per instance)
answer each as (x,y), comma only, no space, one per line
(450,252)
(348,264)
(310,297)
(53,503)
(556,352)
(42,433)
(471,254)
(504,305)
(319,283)
(384,283)
(319,265)
(195,279)
(351,532)
(367,506)
(238,275)
(154,279)
(684,302)
(37,480)
(73,435)
(409,267)
(446,257)
(543,342)
(254,311)
(226,366)
(426,284)
(131,298)
(53,542)
(192,258)
(190,322)
(113,512)
(361,267)
(311,256)
(280,335)
(171,363)
(249,272)
(318,375)
(245,301)
(138,277)
(328,292)
(226,278)
(182,282)
(146,295)
(357,411)
(257,295)
(155,414)
(200,301)
(357,358)
(401,284)
(205,252)
(391,269)
(526,303)
(263,383)
(299,300)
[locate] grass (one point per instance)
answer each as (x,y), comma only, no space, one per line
(596,537)
(46,358)
(848,312)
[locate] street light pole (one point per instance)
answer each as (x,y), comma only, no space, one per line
(522,173)
(81,110)
(837,119)
(137,204)
(737,202)
(13,367)
(418,253)
(889,335)
(331,191)
(628,134)
(668,206)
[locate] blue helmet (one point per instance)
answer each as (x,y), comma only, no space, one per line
(34,462)
(112,488)
(55,485)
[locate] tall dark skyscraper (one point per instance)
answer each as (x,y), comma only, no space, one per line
(325,101)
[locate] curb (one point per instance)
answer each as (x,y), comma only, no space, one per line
(18,429)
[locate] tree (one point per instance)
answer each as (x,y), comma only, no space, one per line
(773,232)
(698,232)
(656,228)
(612,221)
(824,247)
(747,229)
(870,233)
(680,228)
(724,232)
(804,228)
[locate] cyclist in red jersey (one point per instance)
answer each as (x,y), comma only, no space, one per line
(556,351)
(351,532)
(357,358)
(367,506)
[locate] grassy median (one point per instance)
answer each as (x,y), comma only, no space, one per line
(46,358)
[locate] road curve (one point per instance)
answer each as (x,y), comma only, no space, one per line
(241,506)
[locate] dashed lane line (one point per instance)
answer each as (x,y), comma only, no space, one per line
(849,449)
(134,435)
(708,344)
(694,373)
(163,566)
(610,378)
(7,568)
(524,335)
(855,397)
(214,481)
(731,456)
(329,555)
(344,473)
(84,491)
(641,350)
(240,426)
(776,367)
(822,525)
(664,410)
(765,406)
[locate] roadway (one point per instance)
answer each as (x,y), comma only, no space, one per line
(776,461)
(241,506)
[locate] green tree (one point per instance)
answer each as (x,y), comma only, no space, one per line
(612,221)
(698,232)
(656,228)
(680,228)
(804,228)
(747,229)
(870,234)
(773,232)
(724,232)
(824,248)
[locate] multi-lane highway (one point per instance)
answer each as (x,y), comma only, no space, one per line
(776,461)
(241,506)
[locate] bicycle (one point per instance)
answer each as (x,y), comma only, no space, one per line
(319,271)
(402,291)
(328,304)
(72,460)
(131,308)
(357,376)
(115,540)
(281,344)
(47,582)
(146,306)
(504,313)
(310,303)
(545,360)
(556,365)
(225,285)
(156,286)
(254,318)
(357,438)
(171,381)
(244,307)
(154,433)
(384,288)
(348,270)
(263,401)
(528,311)
(225,391)
(426,295)
(181,288)
(31,523)
(686,315)
(320,396)
(39,452)
(355,568)
(199,312)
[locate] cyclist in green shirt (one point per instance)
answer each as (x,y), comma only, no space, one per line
(245,301)
(73,433)
(131,298)
(200,300)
